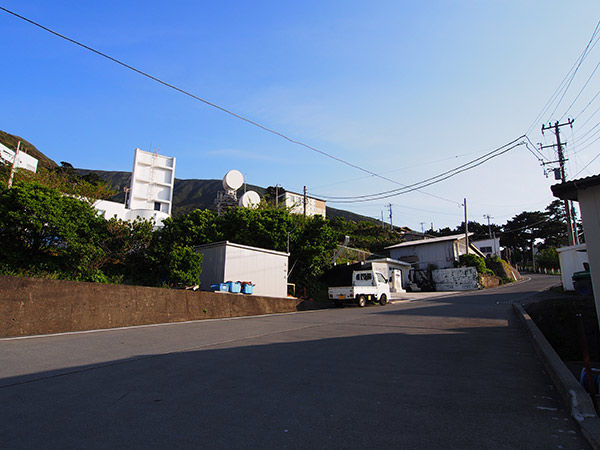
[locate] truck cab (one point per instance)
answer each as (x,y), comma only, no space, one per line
(367,285)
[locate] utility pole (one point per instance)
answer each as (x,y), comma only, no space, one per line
(488,217)
(277,195)
(466,229)
(423,228)
(561,160)
(14,166)
(304,201)
(391,223)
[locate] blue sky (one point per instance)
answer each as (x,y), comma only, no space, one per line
(406,90)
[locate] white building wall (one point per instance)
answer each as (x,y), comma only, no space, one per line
(488,246)
(226,261)
(113,209)
(441,254)
(314,207)
(589,204)
(152,182)
(24,161)
(571,261)
(213,265)
(395,271)
(151,191)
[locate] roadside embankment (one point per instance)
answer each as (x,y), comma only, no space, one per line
(32,306)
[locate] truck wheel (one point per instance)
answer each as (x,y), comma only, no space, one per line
(361,301)
(383,300)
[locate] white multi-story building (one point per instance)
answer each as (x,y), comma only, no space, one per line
(314,206)
(24,161)
(150,194)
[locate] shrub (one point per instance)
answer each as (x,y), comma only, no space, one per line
(472,260)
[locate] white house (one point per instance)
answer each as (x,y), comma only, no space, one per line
(150,195)
(439,252)
(226,261)
(488,247)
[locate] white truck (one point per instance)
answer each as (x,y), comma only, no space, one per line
(367,285)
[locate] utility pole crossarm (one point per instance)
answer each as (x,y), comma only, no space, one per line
(563,176)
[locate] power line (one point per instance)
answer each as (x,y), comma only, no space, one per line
(581,91)
(556,93)
(195,97)
(583,56)
(588,164)
(429,181)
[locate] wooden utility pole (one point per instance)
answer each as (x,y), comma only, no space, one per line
(304,201)
(466,229)
(488,217)
(573,239)
(14,166)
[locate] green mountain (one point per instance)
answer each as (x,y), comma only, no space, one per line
(188,195)
(11,141)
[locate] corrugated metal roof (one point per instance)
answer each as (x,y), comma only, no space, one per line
(568,190)
(246,247)
(454,237)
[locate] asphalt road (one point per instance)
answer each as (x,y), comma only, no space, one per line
(452,372)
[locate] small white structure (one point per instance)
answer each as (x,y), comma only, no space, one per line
(395,271)
(24,161)
(226,261)
(439,252)
(314,206)
(488,247)
(150,193)
(587,192)
(571,261)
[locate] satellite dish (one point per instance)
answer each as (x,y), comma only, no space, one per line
(250,199)
(233,180)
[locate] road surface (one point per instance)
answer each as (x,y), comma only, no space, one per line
(453,372)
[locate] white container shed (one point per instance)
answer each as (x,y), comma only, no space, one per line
(571,261)
(395,271)
(226,261)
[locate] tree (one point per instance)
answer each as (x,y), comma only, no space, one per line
(521,232)
(547,258)
(555,228)
(311,250)
(43,230)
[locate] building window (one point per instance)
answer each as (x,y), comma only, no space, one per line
(486,249)
(156,206)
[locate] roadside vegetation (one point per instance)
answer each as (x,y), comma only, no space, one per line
(50,229)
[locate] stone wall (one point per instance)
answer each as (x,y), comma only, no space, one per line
(31,306)
(461,279)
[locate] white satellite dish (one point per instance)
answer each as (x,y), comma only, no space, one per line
(250,199)
(233,180)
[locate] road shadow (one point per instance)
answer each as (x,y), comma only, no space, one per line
(456,388)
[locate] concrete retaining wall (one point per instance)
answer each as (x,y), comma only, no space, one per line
(30,306)
(461,279)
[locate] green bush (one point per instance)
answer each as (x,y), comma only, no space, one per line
(472,260)
(548,258)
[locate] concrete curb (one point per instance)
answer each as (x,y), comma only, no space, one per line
(576,399)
